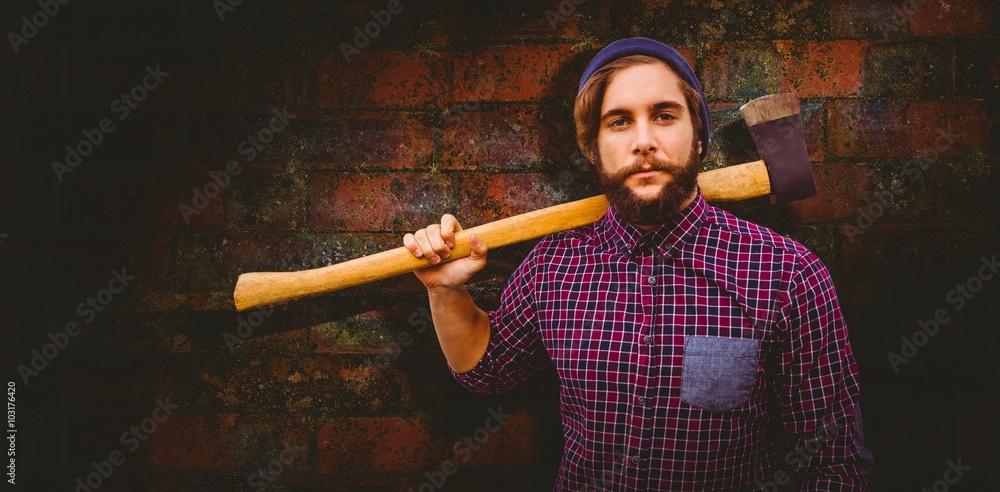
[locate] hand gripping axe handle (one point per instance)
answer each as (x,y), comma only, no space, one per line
(783,173)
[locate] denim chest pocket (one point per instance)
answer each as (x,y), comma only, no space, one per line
(718,373)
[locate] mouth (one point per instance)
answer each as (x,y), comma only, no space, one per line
(646,174)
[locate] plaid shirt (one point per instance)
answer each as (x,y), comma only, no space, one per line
(709,354)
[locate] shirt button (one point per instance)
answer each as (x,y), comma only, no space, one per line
(641,400)
(635,460)
(648,339)
(651,280)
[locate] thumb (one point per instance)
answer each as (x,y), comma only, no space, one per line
(478,249)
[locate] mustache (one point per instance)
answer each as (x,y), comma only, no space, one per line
(638,166)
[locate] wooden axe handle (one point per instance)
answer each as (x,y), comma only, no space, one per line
(257,289)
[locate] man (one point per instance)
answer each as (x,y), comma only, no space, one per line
(695,350)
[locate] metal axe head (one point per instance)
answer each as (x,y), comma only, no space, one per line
(776,126)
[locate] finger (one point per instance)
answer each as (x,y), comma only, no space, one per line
(411,244)
(449,226)
(425,246)
(437,242)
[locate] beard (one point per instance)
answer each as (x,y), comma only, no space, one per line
(660,208)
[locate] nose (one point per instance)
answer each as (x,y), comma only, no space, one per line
(644,143)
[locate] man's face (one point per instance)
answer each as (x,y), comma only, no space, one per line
(647,148)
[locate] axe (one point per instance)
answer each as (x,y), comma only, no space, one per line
(783,173)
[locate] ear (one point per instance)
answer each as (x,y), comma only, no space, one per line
(699,146)
(590,154)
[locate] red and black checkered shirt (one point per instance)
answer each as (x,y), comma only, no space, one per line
(709,354)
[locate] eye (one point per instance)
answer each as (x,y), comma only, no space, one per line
(617,123)
(666,117)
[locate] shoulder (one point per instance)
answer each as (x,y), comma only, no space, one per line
(566,243)
(750,236)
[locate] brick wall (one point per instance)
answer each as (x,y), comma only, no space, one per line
(257,144)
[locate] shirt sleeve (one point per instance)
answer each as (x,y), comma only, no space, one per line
(515,350)
(817,383)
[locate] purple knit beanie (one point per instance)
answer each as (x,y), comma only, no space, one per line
(670,56)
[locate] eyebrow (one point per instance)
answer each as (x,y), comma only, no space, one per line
(659,106)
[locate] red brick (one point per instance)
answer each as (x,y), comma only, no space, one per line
(362,141)
(266,200)
(953,18)
(379,201)
(821,69)
(497,196)
(260,440)
(915,70)
(341,140)
(388,330)
(915,194)
(369,385)
(977,69)
(193,442)
(867,18)
(866,129)
(515,73)
(512,20)
(212,262)
(840,190)
(514,444)
(741,70)
(500,138)
(378,445)
(699,23)
(382,79)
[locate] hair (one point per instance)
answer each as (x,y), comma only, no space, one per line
(587,109)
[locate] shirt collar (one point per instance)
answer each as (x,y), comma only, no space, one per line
(618,234)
